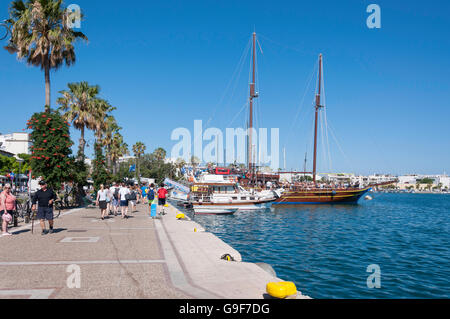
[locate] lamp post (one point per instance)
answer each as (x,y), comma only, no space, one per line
(17,177)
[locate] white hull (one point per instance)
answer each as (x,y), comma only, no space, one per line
(223,209)
(213,210)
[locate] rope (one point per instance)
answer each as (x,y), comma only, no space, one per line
(238,69)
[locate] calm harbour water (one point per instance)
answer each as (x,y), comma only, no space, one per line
(326,249)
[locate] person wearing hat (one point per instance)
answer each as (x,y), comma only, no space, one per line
(44,198)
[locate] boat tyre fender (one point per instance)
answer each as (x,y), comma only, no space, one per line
(227,257)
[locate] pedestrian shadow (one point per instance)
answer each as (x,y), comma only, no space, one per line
(58,230)
(21,231)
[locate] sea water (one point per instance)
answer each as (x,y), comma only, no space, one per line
(326,249)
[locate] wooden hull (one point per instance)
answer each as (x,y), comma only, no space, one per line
(321,196)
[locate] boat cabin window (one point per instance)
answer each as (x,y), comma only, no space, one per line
(223,189)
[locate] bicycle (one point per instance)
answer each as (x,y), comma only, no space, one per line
(23,211)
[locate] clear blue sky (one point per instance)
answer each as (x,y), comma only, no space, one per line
(164,64)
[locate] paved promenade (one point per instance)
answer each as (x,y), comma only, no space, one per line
(136,257)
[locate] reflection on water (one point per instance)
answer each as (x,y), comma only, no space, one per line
(325,249)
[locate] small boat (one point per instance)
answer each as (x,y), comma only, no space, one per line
(214,211)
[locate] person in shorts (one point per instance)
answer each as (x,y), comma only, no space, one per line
(115,201)
(143,191)
(101,201)
(133,197)
(162,194)
(44,198)
(150,197)
(124,194)
(7,208)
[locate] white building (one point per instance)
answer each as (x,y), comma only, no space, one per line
(444,180)
(15,143)
(408,179)
(125,159)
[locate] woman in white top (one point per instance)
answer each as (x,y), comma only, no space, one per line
(102,195)
(124,194)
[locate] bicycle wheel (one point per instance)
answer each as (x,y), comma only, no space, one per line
(58,207)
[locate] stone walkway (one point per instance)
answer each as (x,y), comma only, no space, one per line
(117,258)
(138,257)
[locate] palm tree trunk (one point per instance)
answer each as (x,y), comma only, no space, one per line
(138,170)
(114,167)
(108,157)
(47,84)
(82,143)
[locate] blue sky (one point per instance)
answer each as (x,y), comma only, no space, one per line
(164,64)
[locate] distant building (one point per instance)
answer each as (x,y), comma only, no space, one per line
(408,179)
(125,159)
(15,143)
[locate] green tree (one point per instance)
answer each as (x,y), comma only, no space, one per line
(51,148)
(425,181)
(160,154)
(111,129)
(41,36)
(80,106)
(99,173)
(118,149)
(306,178)
(154,166)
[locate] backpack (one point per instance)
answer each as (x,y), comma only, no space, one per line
(116,194)
(133,195)
(151,194)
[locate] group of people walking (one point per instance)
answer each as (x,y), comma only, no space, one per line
(111,200)
(119,197)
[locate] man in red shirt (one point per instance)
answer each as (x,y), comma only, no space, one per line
(162,193)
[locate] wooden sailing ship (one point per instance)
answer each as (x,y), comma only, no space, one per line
(297,194)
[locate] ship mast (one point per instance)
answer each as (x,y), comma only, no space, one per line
(317,107)
(253,95)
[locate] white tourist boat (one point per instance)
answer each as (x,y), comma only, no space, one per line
(214,195)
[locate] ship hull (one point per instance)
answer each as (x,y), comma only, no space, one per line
(319,196)
(210,208)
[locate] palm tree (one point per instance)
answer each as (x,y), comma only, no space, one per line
(138,150)
(160,154)
(81,105)
(41,36)
(101,110)
(118,149)
(111,129)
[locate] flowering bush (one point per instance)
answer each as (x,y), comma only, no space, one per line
(51,152)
